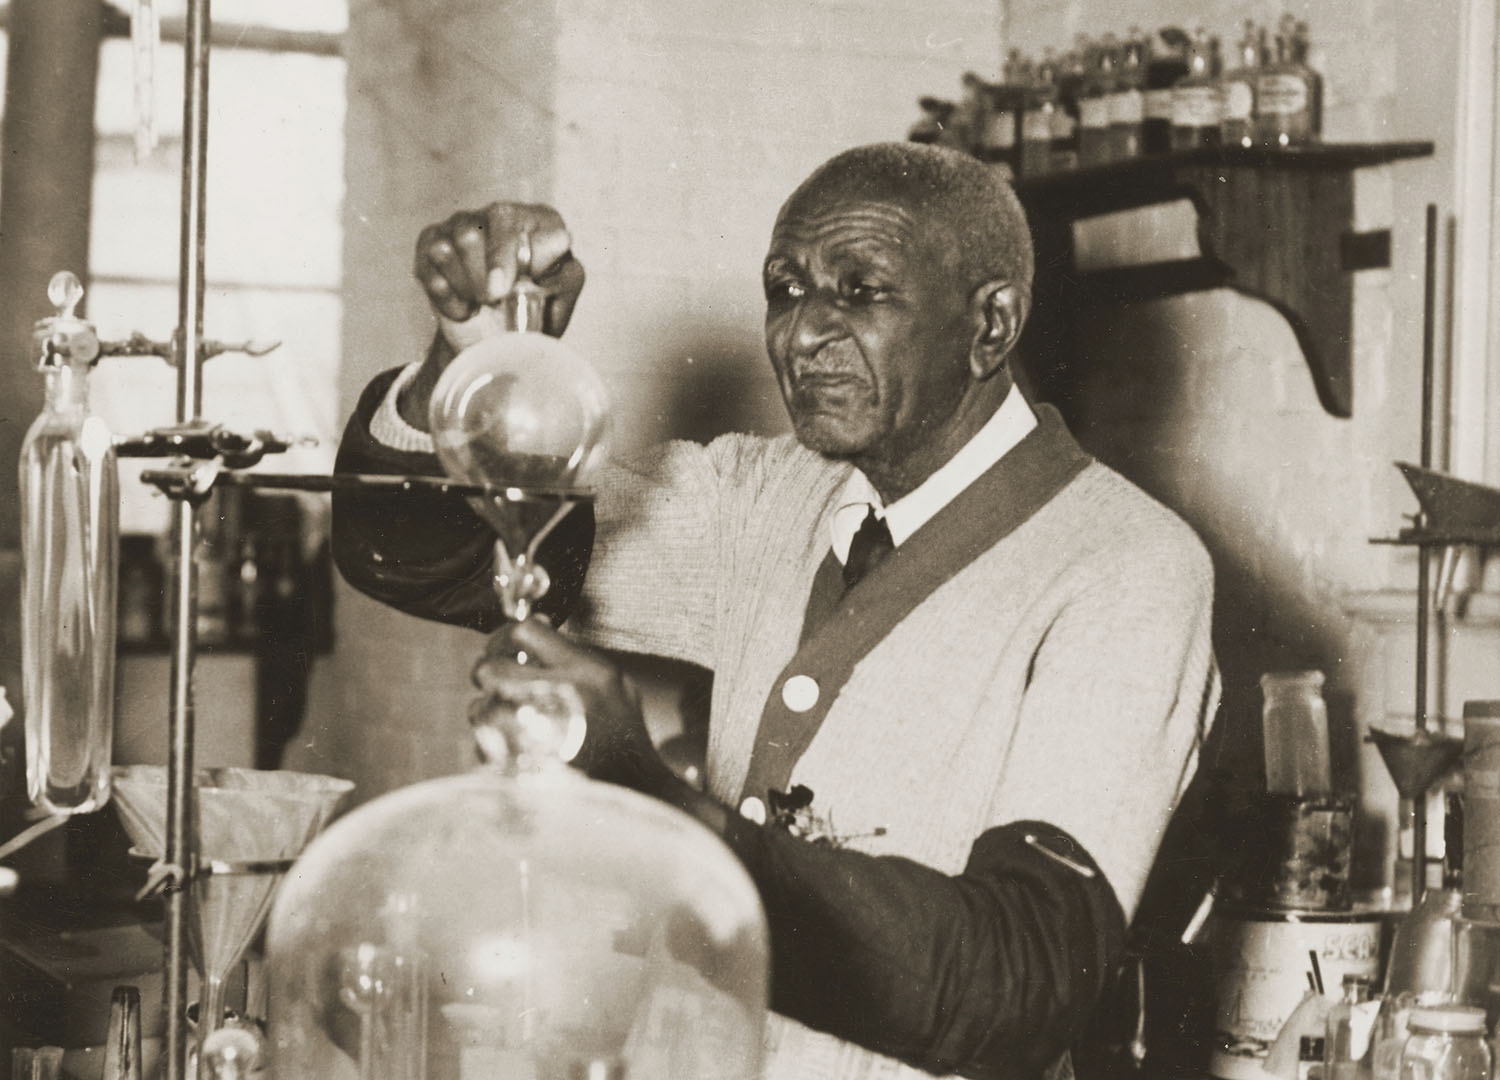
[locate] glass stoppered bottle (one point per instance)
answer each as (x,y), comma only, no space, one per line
(69,485)
(1289,93)
(1197,99)
(1237,127)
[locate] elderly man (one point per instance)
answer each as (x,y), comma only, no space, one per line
(960,668)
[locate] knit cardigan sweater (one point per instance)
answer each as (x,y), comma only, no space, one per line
(1038,651)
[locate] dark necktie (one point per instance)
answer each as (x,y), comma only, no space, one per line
(870,544)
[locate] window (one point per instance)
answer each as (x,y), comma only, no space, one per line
(273,260)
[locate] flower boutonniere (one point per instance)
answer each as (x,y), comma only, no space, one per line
(793,811)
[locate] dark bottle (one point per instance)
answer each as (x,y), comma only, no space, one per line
(1238,125)
(1127,104)
(1166,63)
(1093,102)
(1197,101)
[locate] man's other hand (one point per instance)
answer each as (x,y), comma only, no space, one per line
(618,747)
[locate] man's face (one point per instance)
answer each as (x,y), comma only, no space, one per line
(866,325)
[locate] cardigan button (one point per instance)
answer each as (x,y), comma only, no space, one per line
(754,810)
(800,693)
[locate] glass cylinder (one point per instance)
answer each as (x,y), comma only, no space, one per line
(1294,724)
(69,486)
(517,921)
(1447,1042)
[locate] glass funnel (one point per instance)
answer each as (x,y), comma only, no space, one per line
(251,825)
(524,415)
(519,921)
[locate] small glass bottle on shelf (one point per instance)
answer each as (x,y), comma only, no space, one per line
(1238,125)
(1288,93)
(999,141)
(1197,99)
(1038,121)
(1127,104)
(1065,118)
(1093,103)
(70,539)
(1166,63)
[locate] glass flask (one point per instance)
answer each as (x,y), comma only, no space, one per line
(517,921)
(522,413)
(69,484)
(1447,1042)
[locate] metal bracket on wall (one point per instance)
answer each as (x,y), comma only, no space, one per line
(1273,224)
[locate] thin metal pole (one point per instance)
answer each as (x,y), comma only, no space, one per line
(181,846)
(1424,554)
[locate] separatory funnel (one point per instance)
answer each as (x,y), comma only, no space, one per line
(523,415)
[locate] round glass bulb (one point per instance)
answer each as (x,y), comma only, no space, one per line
(519,410)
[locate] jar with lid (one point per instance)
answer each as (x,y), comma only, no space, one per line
(1447,1042)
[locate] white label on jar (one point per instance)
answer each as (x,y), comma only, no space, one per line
(1063,124)
(1281,95)
(1036,126)
(1127,107)
(1239,100)
(1196,106)
(1000,131)
(1093,113)
(1159,104)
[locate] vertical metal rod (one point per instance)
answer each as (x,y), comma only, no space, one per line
(1424,554)
(181,845)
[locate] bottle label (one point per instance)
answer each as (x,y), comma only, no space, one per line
(1239,100)
(1063,125)
(1093,113)
(1000,131)
(1196,106)
(1036,126)
(1127,107)
(1281,95)
(1159,104)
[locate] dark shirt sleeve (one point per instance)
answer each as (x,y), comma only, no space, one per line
(990,973)
(429,554)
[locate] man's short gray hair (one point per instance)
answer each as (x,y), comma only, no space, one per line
(976,198)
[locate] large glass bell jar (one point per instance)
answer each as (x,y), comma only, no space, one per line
(518,922)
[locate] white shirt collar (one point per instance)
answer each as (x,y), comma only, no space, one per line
(999,435)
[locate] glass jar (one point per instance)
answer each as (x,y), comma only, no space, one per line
(1447,1042)
(1294,724)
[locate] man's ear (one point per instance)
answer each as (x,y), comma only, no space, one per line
(1001,308)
